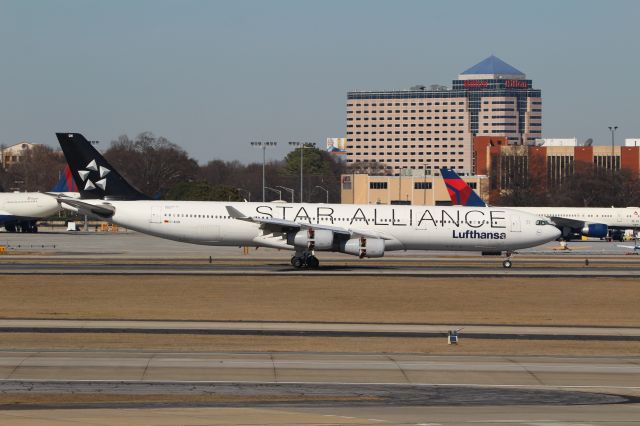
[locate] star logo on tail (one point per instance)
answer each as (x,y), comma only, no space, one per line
(101,171)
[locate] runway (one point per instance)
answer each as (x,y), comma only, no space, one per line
(325,329)
(165,388)
(106,369)
(168,388)
(218,385)
(129,253)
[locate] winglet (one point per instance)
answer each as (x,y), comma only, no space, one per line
(460,192)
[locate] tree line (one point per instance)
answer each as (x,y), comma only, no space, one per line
(164,170)
(586,186)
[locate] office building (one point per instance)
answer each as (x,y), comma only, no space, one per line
(428,128)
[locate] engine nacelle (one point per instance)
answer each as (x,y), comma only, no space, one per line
(312,239)
(597,230)
(364,247)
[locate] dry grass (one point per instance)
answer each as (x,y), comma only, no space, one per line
(611,302)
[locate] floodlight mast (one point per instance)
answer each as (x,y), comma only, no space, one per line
(302,146)
(263,145)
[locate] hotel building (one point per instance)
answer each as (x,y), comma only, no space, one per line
(426,129)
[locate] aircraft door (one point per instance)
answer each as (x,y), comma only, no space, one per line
(515,223)
(156,215)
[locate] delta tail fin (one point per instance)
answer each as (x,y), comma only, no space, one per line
(92,173)
(66,182)
(460,192)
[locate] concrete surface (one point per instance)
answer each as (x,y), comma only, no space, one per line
(270,328)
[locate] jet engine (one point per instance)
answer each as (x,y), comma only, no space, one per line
(597,230)
(363,247)
(312,239)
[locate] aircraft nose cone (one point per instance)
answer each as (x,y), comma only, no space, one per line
(554,232)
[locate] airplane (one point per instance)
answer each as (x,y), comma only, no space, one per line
(574,222)
(361,230)
(20,211)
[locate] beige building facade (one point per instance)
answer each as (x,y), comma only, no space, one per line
(426,129)
(413,190)
(13,154)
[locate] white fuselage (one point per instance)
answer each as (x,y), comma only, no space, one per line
(613,217)
(27,205)
(401,227)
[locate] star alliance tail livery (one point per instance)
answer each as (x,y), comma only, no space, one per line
(305,228)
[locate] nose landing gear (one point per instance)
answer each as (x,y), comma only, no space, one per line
(304,260)
(507,262)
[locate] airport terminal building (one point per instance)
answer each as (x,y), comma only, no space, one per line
(426,129)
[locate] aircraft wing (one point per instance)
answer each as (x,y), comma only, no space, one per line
(103,210)
(281,225)
(569,223)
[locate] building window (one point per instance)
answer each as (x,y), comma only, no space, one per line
(422,185)
(377,185)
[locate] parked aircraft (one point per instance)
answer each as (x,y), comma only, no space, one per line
(572,221)
(360,230)
(20,211)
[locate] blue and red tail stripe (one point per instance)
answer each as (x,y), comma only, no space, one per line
(460,192)
(66,182)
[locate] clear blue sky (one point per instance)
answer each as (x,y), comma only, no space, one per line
(212,76)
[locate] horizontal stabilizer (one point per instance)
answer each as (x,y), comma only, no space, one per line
(101,210)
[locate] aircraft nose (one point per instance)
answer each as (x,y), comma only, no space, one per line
(554,232)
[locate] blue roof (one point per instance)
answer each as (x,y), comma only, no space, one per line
(493,65)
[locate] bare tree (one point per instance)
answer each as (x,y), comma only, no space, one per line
(38,170)
(151,164)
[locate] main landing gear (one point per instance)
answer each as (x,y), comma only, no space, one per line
(304,260)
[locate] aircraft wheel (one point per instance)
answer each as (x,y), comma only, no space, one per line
(313,262)
(293,258)
(507,264)
(297,262)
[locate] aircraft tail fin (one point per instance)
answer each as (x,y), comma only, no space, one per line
(92,173)
(66,182)
(460,192)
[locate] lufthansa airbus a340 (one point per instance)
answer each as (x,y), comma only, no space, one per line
(305,228)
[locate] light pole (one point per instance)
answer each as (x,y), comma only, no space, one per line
(289,190)
(302,146)
(613,129)
(325,190)
(263,145)
(275,190)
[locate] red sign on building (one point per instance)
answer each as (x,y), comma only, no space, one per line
(515,84)
(475,84)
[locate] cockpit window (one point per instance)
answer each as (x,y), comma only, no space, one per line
(542,222)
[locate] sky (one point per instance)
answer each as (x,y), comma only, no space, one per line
(212,76)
